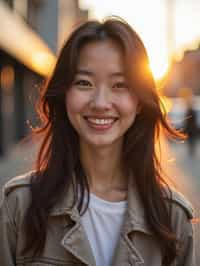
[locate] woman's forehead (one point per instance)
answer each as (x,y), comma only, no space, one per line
(102,47)
(104,55)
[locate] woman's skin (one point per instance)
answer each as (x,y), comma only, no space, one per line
(99,91)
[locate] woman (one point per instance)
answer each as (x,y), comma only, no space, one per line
(98,196)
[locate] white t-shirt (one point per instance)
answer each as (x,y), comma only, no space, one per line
(102,222)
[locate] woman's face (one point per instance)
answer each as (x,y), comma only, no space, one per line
(99,104)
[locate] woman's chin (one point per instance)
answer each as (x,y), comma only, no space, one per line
(102,142)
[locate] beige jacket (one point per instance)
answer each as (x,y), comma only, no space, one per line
(67,243)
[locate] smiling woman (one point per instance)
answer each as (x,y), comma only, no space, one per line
(98,195)
(99,103)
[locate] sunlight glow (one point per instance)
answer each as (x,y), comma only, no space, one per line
(23,43)
(159,68)
(149,19)
(43,62)
(167,104)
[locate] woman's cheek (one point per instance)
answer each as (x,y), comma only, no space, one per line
(127,104)
(76,100)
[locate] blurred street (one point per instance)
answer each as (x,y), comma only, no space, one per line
(183,170)
(18,161)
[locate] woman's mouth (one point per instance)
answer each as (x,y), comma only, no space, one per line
(100,123)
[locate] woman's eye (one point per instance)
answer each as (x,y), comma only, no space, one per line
(83,83)
(120,85)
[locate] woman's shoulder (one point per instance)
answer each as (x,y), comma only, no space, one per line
(18,182)
(18,186)
(16,193)
(180,204)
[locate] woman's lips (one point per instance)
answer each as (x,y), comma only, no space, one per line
(100,123)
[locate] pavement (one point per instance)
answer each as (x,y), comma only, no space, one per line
(182,168)
(184,171)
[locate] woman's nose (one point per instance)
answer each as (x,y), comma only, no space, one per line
(101,99)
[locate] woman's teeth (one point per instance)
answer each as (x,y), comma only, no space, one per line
(101,121)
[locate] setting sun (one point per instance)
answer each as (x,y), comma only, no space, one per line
(158,67)
(162,25)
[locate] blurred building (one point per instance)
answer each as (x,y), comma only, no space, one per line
(48,22)
(191,70)
(69,16)
(184,76)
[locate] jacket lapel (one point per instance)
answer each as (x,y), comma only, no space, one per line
(75,239)
(126,252)
(76,242)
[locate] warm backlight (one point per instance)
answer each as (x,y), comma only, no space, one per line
(167,104)
(159,68)
(43,62)
(20,41)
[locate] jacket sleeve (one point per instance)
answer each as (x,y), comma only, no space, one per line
(186,256)
(16,199)
(8,236)
(182,214)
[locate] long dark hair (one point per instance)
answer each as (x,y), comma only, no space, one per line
(58,159)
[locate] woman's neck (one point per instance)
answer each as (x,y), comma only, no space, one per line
(103,167)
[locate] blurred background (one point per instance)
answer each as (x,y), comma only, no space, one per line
(32,33)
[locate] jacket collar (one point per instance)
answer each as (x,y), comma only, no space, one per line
(65,205)
(135,216)
(75,240)
(126,252)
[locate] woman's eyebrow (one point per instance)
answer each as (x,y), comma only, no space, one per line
(117,74)
(90,73)
(84,72)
